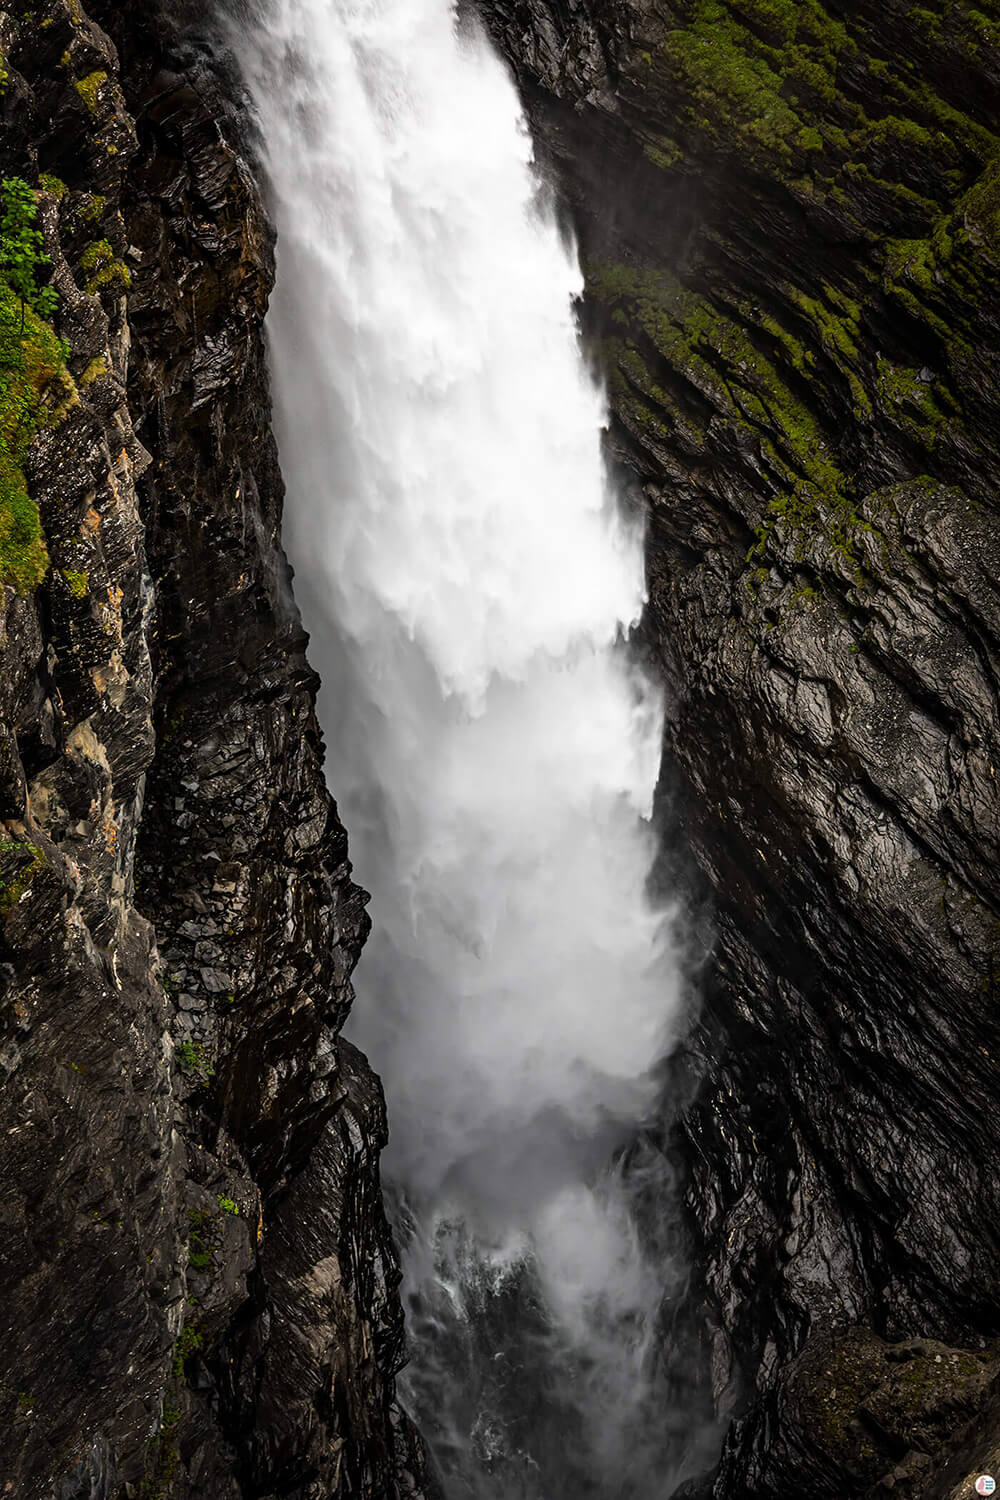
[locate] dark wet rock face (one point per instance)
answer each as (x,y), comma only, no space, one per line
(788,215)
(199,1285)
(790,218)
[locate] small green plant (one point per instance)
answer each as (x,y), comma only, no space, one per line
(189,1343)
(52,185)
(21,253)
(192,1058)
(228,1205)
(76,582)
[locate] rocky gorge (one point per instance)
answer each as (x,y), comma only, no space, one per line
(789,218)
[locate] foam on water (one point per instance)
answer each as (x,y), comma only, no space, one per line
(468,580)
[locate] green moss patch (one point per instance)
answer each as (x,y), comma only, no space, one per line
(20,862)
(89,89)
(103,268)
(53,185)
(33,379)
(96,370)
(714,353)
(781,84)
(77,582)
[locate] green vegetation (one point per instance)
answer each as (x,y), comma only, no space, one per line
(714,354)
(20,862)
(32,368)
(21,254)
(228,1205)
(76,582)
(96,370)
(912,402)
(53,185)
(103,267)
(192,1058)
(89,88)
(781,83)
(189,1343)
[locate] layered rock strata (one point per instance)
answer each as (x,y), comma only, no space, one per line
(789,221)
(199,1289)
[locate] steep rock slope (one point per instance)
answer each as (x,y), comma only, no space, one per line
(198,1282)
(790,219)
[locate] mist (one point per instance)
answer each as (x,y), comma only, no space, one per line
(469,581)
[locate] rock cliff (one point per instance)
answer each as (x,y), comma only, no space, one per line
(789,220)
(199,1290)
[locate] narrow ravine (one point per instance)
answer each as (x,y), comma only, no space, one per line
(469,583)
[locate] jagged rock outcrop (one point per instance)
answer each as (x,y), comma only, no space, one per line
(199,1287)
(788,215)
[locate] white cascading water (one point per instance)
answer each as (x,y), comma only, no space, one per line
(467,580)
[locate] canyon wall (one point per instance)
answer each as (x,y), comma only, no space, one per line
(789,217)
(199,1286)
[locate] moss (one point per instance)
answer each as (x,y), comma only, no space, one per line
(188,1344)
(729,92)
(779,82)
(103,268)
(716,355)
(76,582)
(912,402)
(33,377)
(663,153)
(93,209)
(20,862)
(192,1058)
(96,370)
(89,88)
(115,274)
(980,207)
(53,185)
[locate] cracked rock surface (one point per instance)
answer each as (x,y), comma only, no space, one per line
(787,217)
(199,1286)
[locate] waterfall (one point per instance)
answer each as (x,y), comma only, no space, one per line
(468,580)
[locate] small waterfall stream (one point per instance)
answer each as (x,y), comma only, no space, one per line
(468,581)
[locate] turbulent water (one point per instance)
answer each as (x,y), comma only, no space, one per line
(468,581)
